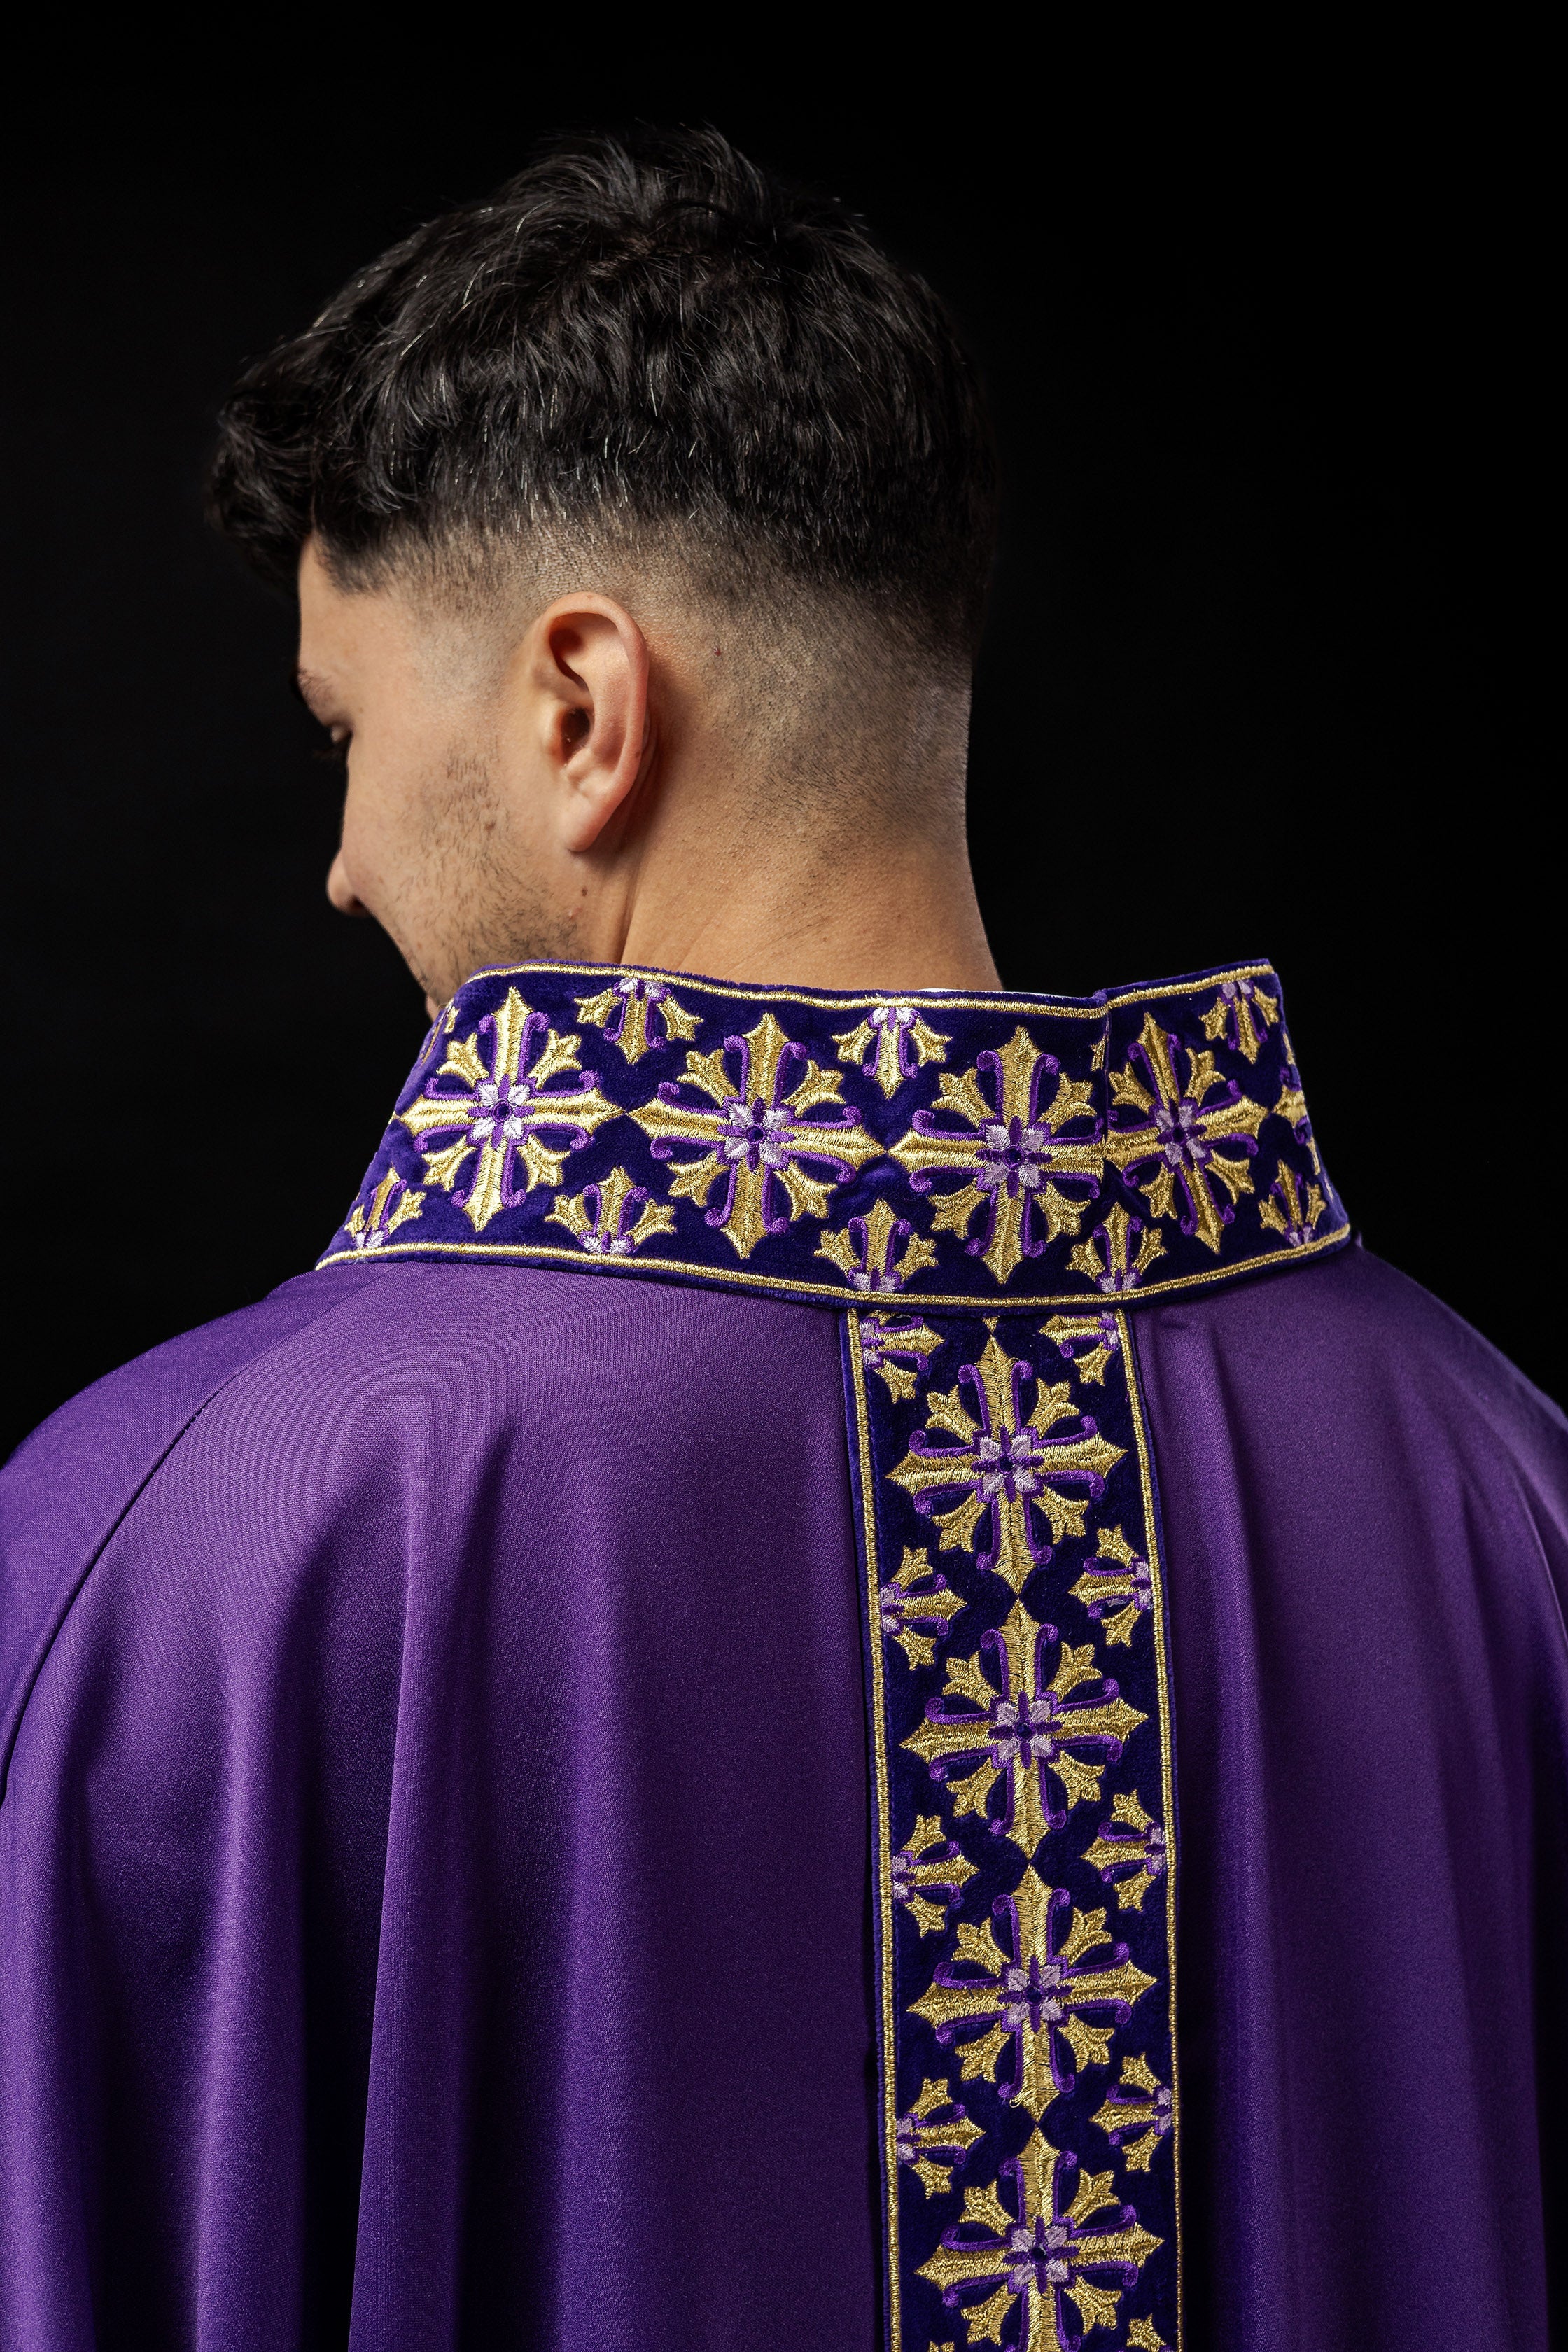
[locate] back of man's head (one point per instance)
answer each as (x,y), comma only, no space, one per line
(644,345)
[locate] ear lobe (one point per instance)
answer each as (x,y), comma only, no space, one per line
(592,665)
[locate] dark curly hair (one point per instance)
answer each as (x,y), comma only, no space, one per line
(647,338)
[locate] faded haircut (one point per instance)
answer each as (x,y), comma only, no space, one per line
(642,343)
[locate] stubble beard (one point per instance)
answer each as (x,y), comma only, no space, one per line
(481,897)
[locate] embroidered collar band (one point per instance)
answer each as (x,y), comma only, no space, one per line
(976,1152)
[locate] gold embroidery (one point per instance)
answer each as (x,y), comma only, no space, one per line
(1167,1789)
(1101,1328)
(1109,1266)
(1028,1995)
(1181,1133)
(1149,2105)
(885,1342)
(632,997)
(1022,1728)
(891,1044)
(1034,2257)
(377,1230)
(603,1229)
(739,1278)
(901,1608)
(1140,1841)
(881,1851)
(1246,1010)
(1012,1150)
(1291,1215)
(1116,1572)
(870,1262)
(502,1114)
(756,1137)
(1005,1463)
(1143,2336)
(925,1872)
(920,2137)
(991,1724)
(1065,1008)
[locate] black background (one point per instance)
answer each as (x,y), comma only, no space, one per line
(1266,340)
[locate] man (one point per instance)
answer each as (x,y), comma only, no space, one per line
(846,1676)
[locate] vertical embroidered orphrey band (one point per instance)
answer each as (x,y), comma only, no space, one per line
(1023,1819)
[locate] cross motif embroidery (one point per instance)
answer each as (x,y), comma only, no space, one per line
(1116,1572)
(902,1608)
(1131,1841)
(599,1215)
(391,1204)
(930,1865)
(1240,1013)
(1007,1465)
(1290,1214)
(868,1250)
(507,1110)
(1022,1728)
(1027,1997)
(919,2136)
(752,1144)
(1041,2252)
(1107,1257)
(1139,2103)
(1182,1135)
(622,1011)
(1011,1151)
(891,1045)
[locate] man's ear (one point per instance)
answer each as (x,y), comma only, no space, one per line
(586,668)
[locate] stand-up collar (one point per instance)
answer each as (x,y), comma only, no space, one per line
(975,1150)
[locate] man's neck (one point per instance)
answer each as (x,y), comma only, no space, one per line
(891,915)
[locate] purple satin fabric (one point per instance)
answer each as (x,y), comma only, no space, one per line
(457,1753)
(433,1870)
(1367,1515)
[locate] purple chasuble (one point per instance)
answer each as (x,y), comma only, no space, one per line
(845,1679)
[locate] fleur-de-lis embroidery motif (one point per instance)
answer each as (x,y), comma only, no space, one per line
(903,1607)
(1039,2254)
(1289,1214)
(1116,1573)
(1023,1729)
(1131,1841)
(392,1204)
(752,1143)
(923,2134)
(1143,2336)
(599,1214)
(1105,1257)
(891,1348)
(622,1011)
(868,1250)
(506,1111)
(1007,1465)
(1139,2103)
(891,1045)
(929,1865)
(1182,1135)
(1026,1998)
(1011,1151)
(1240,1013)
(1097,1334)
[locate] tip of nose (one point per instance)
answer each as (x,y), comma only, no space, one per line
(341,890)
